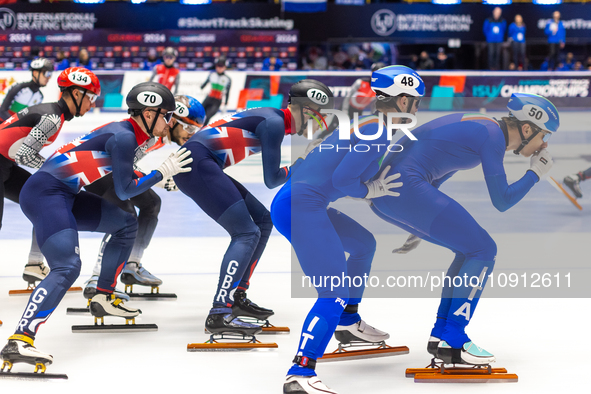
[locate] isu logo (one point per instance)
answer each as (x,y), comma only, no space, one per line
(383,22)
(7,19)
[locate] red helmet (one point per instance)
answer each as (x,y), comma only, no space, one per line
(79,77)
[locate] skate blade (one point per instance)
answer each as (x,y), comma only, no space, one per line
(32,376)
(267,328)
(230,346)
(29,291)
(461,375)
(115,328)
(77,311)
(360,354)
(152,296)
(559,187)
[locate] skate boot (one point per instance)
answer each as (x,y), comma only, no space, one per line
(295,384)
(359,332)
(90,289)
(469,354)
(245,307)
(20,349)
(35,272)
(432,345)
(109,305)
(227,323)
(136,274)
(572,182)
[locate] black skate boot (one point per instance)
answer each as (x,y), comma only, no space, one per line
(227,323)
(573,183)
(245,307)
(20,349)
(432,346)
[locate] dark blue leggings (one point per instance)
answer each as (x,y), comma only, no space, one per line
(233,207)
(57,215)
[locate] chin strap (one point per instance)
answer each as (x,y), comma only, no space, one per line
(149,129)
(77,104)
(524,141)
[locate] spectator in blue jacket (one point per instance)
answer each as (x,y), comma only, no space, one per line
(494,30)
(517,38)
(556,37)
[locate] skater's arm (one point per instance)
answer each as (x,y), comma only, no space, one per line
(28,153)
(271,133)
(227,90)
(206,82)
(502,195)
(357,167)
(127,183)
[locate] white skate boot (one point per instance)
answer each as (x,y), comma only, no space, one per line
(136,274)
(108,305)
(305,385)
(35,272)
(20,349)
(90,289)
(468,354)
(360,332)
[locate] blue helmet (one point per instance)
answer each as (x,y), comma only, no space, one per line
(189,113)
(527,107)
(395,81)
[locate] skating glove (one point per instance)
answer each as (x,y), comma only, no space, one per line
(541,162)
(382,186)
(411,244)
(168,185)
(176,163)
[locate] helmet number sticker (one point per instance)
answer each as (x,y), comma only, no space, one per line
(317,96)
(181,110)
(405,81)
(149,99)
(79,78)
(535,114)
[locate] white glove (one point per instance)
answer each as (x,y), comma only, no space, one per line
(381,186)
(411,243)
(168,185)
(176,163)
(171,186)
(541,162)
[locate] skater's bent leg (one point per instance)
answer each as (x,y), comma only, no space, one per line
(317,331)
(361,246)
(446,296)
(245,236)
(63,256)
(262,218)
(456,227)
(149,204)
(93,213)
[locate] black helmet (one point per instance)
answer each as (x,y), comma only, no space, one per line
(220,61)
(41,64)
(170,51)
(314,91)
(310,92)
(377,66)
(150,95)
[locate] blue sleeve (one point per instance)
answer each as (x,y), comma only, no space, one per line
(561,32)
(512,28)
(357,167)
(121,147)
(547,29)
(485,28)
(271,133)
(502,195)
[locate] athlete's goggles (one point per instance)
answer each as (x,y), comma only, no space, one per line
(47,74)
(167,115)
(189,128)
(546,136)
(92,97)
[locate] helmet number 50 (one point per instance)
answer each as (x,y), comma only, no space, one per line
(535,113)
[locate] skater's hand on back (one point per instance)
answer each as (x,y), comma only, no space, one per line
(383,186)
(541,162)
(411,244)
(176,163)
